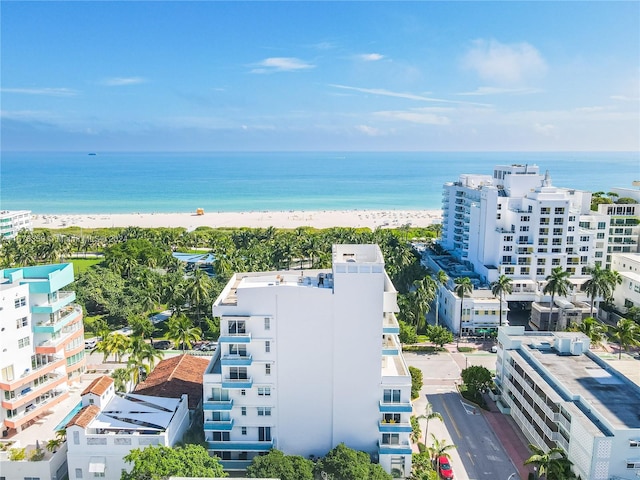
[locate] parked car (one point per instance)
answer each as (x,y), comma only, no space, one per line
(444,467)
(90,343)
(494,349)
(162,345)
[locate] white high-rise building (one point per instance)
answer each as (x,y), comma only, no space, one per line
(516,223)
(562,395)
(12,221)
(307,360)
(41,344)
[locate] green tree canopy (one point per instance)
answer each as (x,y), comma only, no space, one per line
(276,464)
(416,381)
(439,335)
(344,463)
(160,463)
(477,379)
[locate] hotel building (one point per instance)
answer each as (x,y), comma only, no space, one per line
(627,294)
(110,425)
(560,394)
(41,341)
(307,360)
(12,221)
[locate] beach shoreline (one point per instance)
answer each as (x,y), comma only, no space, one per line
(255,219)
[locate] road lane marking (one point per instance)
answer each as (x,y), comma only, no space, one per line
(470,458)
(453,422)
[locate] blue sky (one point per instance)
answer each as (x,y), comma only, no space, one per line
(420,76)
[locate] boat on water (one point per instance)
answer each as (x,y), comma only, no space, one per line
(92,153)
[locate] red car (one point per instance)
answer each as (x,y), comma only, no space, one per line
(444,467)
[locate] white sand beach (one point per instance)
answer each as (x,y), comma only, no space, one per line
(262,219)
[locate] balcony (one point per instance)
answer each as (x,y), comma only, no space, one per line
(59,320)
(232,465)
(29,393)
(237,383)
(31,412)
(242,446)
(390,324)
(401,448)
(219,425)
(64,299)
(218,405)
(388,427)
(236,360)
(390,345)
(235,338)
(396,407)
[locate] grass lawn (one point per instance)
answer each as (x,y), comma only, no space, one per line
(82,264)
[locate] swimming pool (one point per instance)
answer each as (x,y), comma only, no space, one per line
(66,419)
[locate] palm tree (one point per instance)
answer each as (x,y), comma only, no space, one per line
(557,284)
(592,328)
(441,279)
(439,448)
(547,461)
(425,294)
(182,331)
(499,288)
(121,378)
(118,344)
(626,333)
(463,287)
(197,290)
(429,414)
(597,285)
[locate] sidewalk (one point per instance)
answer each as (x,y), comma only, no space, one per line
(510,436)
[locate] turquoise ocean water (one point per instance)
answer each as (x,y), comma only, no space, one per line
(181,182)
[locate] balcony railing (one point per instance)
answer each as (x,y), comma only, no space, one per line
(218,404)
(395,407)
(401,448)
(389,427)
(237,382)
(218,425)
(241,446)
(236,360)
(235,338)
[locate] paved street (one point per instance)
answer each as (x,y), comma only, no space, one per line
(479,454)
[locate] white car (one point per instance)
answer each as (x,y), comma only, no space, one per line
(494,349)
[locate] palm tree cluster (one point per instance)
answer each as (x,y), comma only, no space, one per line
(601,284)
(551,464)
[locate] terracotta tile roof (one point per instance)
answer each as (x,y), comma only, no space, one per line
(99,385)
(175,376)
(84,416)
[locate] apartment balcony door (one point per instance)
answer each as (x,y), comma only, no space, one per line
(264,434)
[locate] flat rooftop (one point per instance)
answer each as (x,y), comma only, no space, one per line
(589,384)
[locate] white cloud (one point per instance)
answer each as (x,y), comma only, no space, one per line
(370,57)
(421,116)
(624,98)
(281,64)
(52,92)
(545,129)
(122,81)
(504,64)
(480,91)
(408,96)
(367,130)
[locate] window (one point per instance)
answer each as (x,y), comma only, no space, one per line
(7,373)
(243,411)
(237,327)
(20,302)
(525,218)
(584,238)
(264,434)
(543,231)
(391,396)
(507,248)
(544,221)
(390,439)
(633,464)
(569,240)
(524,228)
(243,392)
(267,369)
(634,443)
(540,271)
(99,475)
(221,436)
(524,270)
(558,221)
(267,346)
(238,373)
(264,391)
(557,241)
(267,323)
(559,210)
(557,231)
(506,259)
(264,411)
(543,241)
(545,210)
(542,261)
(76,438)
(78,473)
(24,342)
(22,322)
(243,430)
(602,225)
(555,262)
